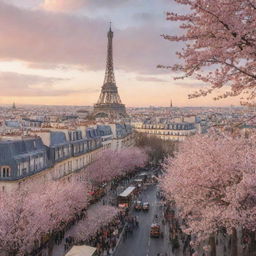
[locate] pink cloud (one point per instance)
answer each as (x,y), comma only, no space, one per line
(47,39)
(14,84)
(63,5)
(52,38)
(72,5)
(151,79)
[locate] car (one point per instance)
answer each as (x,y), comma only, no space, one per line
(155,230)
(145,206)
(138,205)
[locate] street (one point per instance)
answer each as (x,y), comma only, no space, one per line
(140,243)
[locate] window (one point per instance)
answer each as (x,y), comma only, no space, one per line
(36,163)
(70,165)
(5,171)
(19,170)
(24,166)
(32,164)
(41,161)
(61,150)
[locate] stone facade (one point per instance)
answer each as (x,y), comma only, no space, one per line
(56,154)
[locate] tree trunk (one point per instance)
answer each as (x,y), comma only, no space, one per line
(252,245)
(50,246)
(212,245)
(234,242)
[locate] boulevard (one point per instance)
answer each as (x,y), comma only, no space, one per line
(139,243)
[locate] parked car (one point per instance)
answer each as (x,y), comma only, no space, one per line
(138,205)
(145,206)
(155,230)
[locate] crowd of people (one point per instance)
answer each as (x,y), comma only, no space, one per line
(179,240)
(106,238)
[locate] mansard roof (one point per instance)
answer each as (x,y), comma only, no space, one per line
(57,138)
(91,133)
(104,130)
(12,123)
(11,150)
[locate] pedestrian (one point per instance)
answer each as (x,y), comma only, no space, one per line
(137,223)
(111,251)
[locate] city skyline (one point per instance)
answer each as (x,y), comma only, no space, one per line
(54,52)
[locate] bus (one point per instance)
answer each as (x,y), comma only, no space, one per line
(143,176)
(83,250)
(124,200)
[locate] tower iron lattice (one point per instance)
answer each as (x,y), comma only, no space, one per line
(109,103)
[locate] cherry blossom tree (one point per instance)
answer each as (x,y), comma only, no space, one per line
(23,221)
(104,168)
(97,217)
(213,182)
(38,209)
(132,158)
(220,46)
(112,164)
(35,210)
(64,200)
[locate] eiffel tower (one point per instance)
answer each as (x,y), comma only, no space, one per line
(109,103)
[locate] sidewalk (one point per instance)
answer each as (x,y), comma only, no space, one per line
(58,250)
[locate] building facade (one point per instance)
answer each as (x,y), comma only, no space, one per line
(171,131)
(53,154)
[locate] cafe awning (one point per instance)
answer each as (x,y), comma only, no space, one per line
(83,250)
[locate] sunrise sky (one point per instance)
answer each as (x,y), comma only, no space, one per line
(54,51)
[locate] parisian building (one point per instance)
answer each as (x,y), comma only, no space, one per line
(54,154)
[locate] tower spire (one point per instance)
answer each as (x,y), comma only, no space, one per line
(109,73)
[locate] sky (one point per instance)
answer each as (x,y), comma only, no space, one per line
(53,52)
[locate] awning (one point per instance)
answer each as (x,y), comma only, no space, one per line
(127,192)
(83,250)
